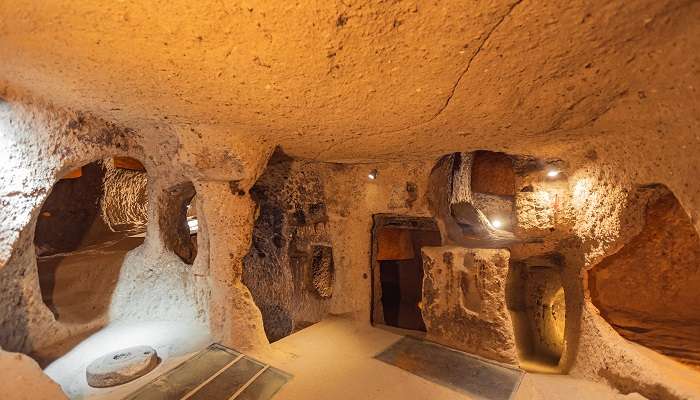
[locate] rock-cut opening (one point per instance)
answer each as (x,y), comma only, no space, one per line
(398,268)
(92,218)
(178,221)
(648,290)
(537,304)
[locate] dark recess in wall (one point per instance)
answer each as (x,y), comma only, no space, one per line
(289,269)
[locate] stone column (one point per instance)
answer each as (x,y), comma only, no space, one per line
(464,301)
(227,217)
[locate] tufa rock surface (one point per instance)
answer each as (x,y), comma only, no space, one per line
(121,366)
(464,301)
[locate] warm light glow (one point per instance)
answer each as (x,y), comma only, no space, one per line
(372,174)
(170,339)
(497,223)
(553,173)
(193,224)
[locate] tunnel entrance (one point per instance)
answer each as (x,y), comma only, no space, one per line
(537,306)
(648,290)
(398,268)
(93,216)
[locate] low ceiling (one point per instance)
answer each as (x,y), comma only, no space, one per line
(352,80)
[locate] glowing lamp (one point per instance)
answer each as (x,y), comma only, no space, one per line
(553,173)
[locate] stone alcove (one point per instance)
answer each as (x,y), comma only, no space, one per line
(90,220)
(289,268)
(537,304)
(178,221)
(648,290)
(93,216)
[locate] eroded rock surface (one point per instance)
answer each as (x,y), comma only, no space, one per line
(649,289)
(464,307)
(121,366)
(24,380)
(290,268)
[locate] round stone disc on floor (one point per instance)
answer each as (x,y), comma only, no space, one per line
(121,366)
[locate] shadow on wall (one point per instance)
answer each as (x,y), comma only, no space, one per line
(649,290)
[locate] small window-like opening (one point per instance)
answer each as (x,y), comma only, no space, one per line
(399,269)
(178,221)
(92,218)
(538,310)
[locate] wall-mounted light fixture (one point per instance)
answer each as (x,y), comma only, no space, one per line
(553,173)
(497,223)
(373,174)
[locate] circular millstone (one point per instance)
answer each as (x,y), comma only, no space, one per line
(121,366)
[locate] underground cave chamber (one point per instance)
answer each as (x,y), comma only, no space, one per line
(477,258)
(349,200)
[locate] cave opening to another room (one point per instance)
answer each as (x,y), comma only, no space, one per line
(178,221)
(398,269)
(92,218)
(648,290)
(537,305)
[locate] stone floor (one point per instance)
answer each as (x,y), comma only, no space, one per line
(174,342)
(333,359)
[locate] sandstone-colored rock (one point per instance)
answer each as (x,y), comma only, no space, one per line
(607,91)
(464,301)
(493,173)
(24,379)
(121,366)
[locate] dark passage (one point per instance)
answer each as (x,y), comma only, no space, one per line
(398,244)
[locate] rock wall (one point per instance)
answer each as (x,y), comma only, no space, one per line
(42,144)
(538,309)
(648,290)
(175,232)
(125,199)
(584,216)
(71,211)
(289,268)
(23,379)
(464,301)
